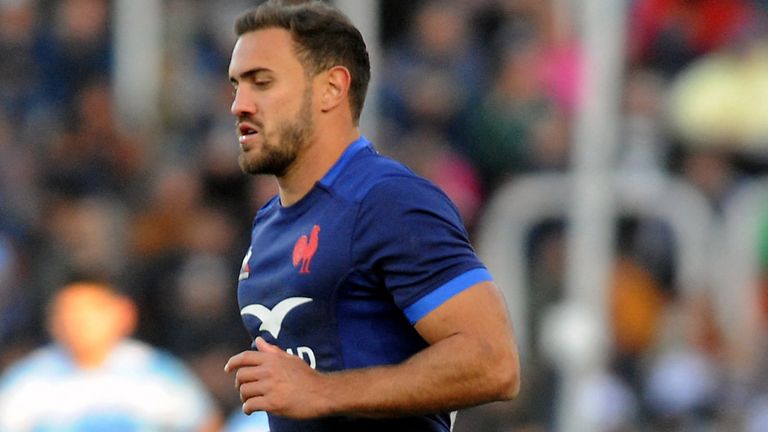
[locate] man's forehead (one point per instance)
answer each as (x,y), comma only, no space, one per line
(260,48)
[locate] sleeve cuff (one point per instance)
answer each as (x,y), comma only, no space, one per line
(434,299)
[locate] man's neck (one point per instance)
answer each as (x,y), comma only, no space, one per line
(311,165)
(91,360)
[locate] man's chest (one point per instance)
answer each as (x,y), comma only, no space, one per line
(289,277)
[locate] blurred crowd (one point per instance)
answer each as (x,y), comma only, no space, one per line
(472,94)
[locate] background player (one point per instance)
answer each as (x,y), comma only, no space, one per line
(96,378)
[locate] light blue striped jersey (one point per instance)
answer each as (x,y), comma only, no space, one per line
(139,388)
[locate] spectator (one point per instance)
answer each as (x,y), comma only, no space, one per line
(93,156)
(83,237)
(667,35)
(502,126)
(19,73)
(17,305)
(19,197)
(77,46)
(433,75)
(721,100)
(684,382)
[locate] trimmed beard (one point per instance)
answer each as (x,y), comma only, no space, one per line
(292,137)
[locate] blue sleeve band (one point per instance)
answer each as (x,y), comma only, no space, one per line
(431,301)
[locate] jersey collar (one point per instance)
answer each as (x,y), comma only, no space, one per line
(354,148)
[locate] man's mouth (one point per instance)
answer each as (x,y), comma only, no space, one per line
(246,131)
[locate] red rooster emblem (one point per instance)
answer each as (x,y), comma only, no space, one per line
(305,249)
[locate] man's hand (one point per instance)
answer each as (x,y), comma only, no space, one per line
(272,380)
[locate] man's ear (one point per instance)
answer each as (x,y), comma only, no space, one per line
(335,88)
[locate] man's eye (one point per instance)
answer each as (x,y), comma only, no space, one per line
(262,83)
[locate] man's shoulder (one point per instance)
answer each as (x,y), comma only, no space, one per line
(142,358)
(46,361)
(369,170)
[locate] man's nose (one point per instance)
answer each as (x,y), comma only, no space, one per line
(242,105)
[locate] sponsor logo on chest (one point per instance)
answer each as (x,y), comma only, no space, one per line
(272,323)
(304,249)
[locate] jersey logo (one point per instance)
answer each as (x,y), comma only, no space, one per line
(245,269)
(272,320)
(305,249)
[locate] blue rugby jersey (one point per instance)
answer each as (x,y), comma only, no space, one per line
(340,277)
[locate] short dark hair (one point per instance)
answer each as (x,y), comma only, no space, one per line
(323,36)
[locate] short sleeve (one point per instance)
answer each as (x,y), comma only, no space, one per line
(409,238)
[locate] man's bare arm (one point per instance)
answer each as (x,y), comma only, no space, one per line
(472,359)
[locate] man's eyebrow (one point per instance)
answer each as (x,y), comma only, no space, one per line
(250,73)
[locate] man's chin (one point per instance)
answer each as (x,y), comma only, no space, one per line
(248,167)
(267,167)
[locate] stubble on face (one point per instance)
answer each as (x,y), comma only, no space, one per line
(276,158)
